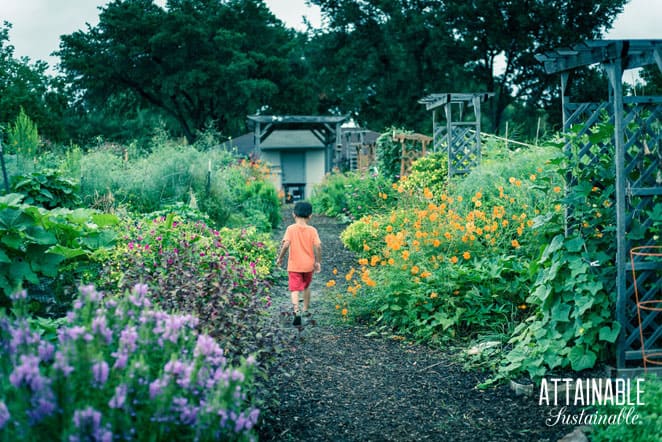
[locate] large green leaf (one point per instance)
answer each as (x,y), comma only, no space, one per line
(14,219)
(20,271)
(66,252)
(581,358)
(610,334)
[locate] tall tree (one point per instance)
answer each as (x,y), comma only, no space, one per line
(25,85)
(196,61)
(513,31)
(388,53)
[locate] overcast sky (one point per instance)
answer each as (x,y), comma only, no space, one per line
(38,24)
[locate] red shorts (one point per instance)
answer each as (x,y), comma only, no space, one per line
(299,281)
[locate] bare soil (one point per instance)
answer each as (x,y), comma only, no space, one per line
(340,382)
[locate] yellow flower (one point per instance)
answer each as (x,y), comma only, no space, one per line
(331,283)
(405,255)
(511,180)
(433,295)
(391,261)
(363,261)
(335,271)
(532,177)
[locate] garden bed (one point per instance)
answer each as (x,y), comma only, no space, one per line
(346,382)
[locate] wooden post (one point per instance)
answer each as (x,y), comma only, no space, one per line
(537,131)
(615,73)
(506,135)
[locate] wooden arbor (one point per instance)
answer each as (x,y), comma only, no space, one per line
(638,161)
(462,138)
(325,128)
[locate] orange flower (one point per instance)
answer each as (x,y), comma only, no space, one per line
(454,259)
(557,189)
(414,270)
(366,247)
(405,255)
(344,312)
(389,228)
(515,243)
(436,243)
(335,271)
(331,283)
(466,255)
(433,295)
(363,261)
(532,177)
(425,274)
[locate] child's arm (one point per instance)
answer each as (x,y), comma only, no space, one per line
(317,248)
(283,248)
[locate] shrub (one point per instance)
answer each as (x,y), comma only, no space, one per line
(36,243)
(120,369)
(430,171)
(353,194)
(47,189)
(649,422)
(221,276)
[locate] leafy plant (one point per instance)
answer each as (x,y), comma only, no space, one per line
(37,243)
(47,189)
(120,369)
(572,318)
(648,425)
(23,136)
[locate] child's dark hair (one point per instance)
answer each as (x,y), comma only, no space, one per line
(303,209)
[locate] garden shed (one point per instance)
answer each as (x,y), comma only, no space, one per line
(301,149)
(637,156)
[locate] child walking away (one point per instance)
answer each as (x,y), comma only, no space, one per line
(305,256)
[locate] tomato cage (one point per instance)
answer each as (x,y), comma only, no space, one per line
(646,263)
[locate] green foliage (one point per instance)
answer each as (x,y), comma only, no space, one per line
(120,368)
(431,172)
(573,314)
(240,195)
(36,243)
(25,87)
(649,422)
(201,62)
(23,136)
(47,189)
(353,194)
(221,275)
(388,155)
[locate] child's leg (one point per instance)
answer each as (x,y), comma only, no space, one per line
(295,301)
(306,299)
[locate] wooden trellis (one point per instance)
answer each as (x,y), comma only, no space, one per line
(638,160)
(461,138)
(409,155)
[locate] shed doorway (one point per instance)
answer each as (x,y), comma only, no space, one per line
(293,167)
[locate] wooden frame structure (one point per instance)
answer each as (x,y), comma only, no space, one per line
(408,156)
(462,138)
(638,165)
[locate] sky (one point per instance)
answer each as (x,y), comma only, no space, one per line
(38,24)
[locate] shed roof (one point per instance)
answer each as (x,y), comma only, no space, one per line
(297,119)
(633,54)
(291,139)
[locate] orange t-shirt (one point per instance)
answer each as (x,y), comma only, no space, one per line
(302,238)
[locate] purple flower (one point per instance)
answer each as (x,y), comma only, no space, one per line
(90,293)
(71,333)
(100,372)
(43,405)
(22,294)
(181,371)
(156,387)
(46,350)
(100,326)
(88,424)
(128,338)
(207,346)
(62,364)
(119,399)
(22,335)
(27,372)
(121,358)
(4,415)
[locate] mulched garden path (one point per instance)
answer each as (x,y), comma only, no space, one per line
(340,382)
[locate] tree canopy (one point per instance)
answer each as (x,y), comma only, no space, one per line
(194,61)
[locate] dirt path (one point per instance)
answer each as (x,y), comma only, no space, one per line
(336,383)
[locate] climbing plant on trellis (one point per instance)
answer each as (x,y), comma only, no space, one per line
(637,159)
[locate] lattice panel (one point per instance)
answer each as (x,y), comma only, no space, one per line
(464,153)
(643,172)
